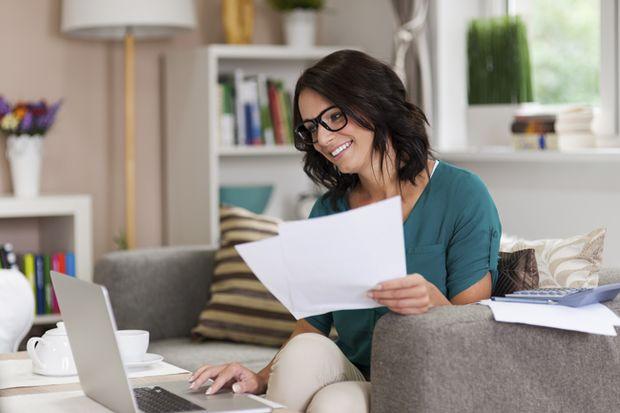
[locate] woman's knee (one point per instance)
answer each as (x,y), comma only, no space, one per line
(347,396)
(307,347)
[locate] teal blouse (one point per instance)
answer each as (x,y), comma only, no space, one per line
(451,238)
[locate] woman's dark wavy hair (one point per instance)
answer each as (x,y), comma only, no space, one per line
(373,96)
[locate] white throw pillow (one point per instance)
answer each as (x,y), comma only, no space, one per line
(571,262)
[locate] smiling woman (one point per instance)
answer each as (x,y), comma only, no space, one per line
(364,142)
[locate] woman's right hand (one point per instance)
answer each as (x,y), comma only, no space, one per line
(242,379)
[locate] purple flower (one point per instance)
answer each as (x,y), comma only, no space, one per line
(26,124)
(4,107)
(48,114)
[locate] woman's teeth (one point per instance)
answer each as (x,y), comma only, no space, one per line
(341,148)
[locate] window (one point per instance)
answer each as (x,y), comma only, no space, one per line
(565,46)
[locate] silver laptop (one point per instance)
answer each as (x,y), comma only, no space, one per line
(90,325)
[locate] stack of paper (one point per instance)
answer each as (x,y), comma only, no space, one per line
(329,263)
(593,319)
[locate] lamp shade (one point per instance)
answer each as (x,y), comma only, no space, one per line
(110,19)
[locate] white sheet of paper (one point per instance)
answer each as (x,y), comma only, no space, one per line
(74,401)
(333,261)
(264,258)
(18,373)
(329,263)
(593,319)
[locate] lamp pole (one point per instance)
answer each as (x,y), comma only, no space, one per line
(130,164)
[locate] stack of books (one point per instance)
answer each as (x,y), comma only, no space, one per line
(534,131)
(574,128)
(36,268)
(254,110)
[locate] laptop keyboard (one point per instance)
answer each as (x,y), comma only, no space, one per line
(158,400)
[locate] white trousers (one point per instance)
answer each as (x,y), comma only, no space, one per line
(310,374)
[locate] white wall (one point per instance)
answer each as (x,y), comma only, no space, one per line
(556,199)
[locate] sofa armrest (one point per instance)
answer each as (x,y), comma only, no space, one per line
(161,290)
(459,359)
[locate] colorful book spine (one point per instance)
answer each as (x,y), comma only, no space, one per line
(48,284)
(70,264)
(28,269)
(40,283)
(3,263)
(240,135)
(274,108)
(265,115)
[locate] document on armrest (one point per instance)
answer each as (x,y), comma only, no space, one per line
(329,263)
(593,318)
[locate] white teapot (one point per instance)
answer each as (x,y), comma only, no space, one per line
(52,356)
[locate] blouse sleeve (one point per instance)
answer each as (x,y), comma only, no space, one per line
(473,249)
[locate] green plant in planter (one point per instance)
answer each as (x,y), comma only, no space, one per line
(287,5)
(499,68)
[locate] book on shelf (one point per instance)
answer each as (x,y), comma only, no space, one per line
(265,114)
(226,113)
(253,110)
(36,268)
(39,274)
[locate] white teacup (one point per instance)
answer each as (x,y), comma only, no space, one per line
(132,344)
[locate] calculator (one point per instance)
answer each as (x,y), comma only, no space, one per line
(572,297)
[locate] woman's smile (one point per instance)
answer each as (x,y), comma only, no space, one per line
(339,151)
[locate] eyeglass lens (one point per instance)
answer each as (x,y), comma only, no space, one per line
(333,120)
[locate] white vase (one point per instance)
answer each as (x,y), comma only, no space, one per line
(25,153)
(300,28)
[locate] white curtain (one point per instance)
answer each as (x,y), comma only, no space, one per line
(412,61)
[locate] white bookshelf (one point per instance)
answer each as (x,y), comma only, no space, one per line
(196,165)
(49,224)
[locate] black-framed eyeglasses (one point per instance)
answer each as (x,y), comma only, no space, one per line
(332,118)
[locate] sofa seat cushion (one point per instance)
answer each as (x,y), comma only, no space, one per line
(190,355)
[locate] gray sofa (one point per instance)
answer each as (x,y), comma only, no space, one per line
(450,359)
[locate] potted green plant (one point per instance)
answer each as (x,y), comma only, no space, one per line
(499,77)
(25,124)
(299,20)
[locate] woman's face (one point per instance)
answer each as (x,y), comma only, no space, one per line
(350,148)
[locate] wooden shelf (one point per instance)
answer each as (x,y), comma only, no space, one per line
(508,154)
(284,150)
(47,319)
(270,52)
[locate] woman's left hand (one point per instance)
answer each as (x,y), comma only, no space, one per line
(405,295)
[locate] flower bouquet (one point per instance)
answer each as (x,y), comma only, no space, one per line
(27,118)
(25,124)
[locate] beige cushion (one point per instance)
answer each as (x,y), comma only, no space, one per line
(241,309)
(570,262)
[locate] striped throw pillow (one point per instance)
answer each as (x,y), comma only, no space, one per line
(517,270)
(241,309)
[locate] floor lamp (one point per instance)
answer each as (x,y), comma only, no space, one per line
(127,20)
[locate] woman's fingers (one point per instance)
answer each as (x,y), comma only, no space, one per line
(402,282)
(198,372)
(408,292)
(224,377)
(205,375)
(406,302)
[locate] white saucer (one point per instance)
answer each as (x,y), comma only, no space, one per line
(54,374)
(149,358)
